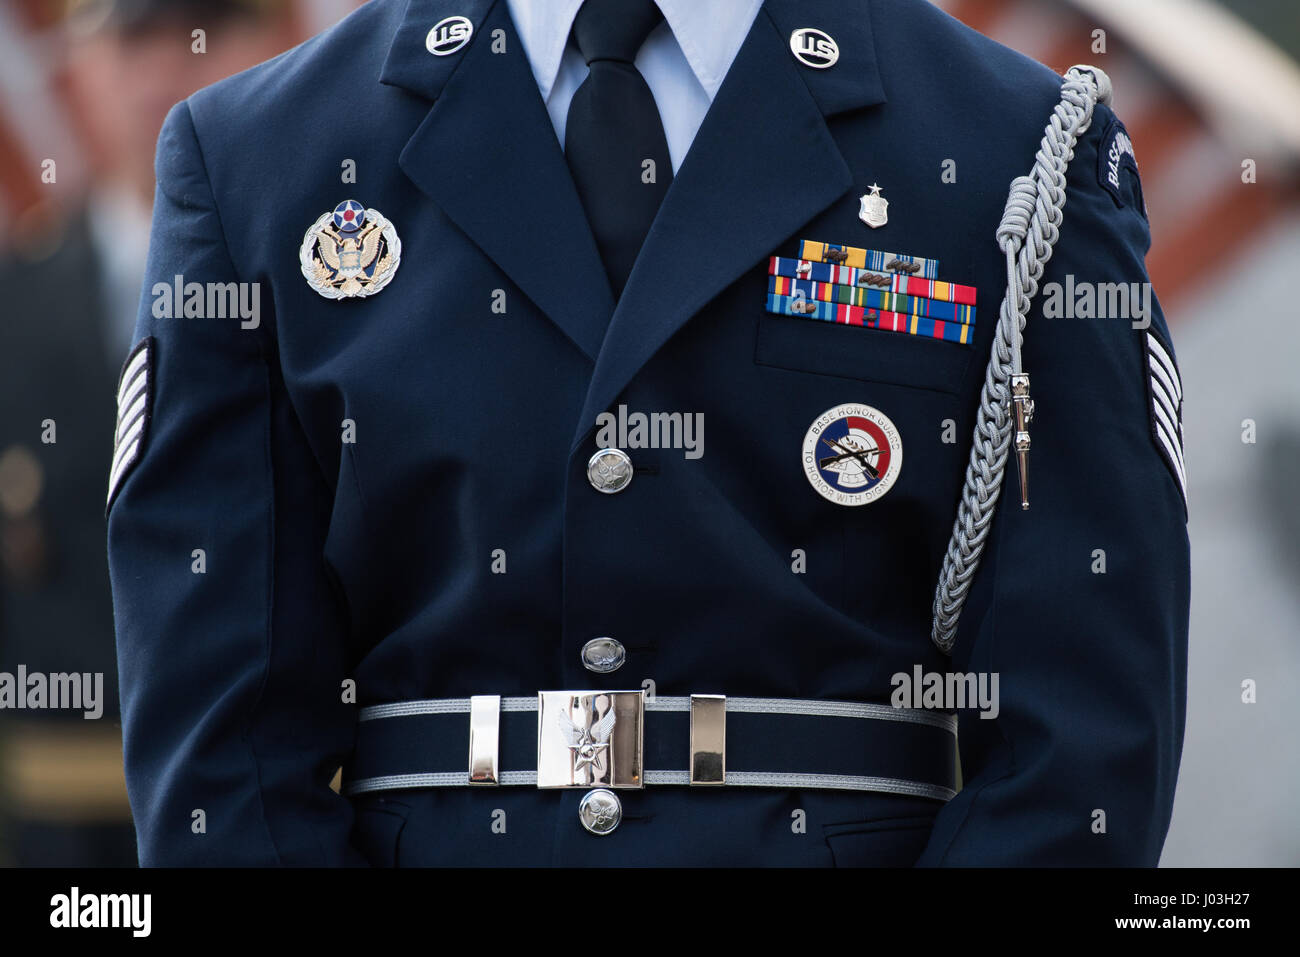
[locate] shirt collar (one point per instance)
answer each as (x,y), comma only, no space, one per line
(709,34)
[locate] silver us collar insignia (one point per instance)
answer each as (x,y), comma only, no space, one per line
(875,208)
(350,252)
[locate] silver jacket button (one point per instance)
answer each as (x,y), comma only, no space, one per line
(600,811)
(609,471)
(603,655)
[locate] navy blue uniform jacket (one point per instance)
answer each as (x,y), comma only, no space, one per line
(371,559)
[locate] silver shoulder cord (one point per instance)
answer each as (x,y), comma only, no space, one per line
(1034,210)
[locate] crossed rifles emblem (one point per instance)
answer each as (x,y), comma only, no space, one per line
(844,449)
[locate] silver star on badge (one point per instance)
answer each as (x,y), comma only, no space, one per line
(875,208)
(589,745)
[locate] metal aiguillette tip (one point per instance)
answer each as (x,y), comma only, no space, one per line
(1023,406)
(1022,460)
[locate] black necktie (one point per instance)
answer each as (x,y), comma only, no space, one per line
(613,129)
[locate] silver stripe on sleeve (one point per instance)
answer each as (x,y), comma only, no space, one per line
(133,396)
(1166,408)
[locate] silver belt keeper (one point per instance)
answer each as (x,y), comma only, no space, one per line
(484,738)
(708,739)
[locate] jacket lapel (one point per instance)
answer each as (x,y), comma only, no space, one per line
(762,164)
(486,153)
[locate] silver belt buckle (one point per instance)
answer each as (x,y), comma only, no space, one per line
(590,739)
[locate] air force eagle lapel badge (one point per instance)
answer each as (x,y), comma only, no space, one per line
(350,252)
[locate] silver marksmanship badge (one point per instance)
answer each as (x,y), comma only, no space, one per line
(875,208)
(350,252)
(852,454)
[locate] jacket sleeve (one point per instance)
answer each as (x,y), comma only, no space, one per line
(230,636)
(1081,605)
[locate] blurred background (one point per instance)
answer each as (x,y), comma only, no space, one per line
(1209,90)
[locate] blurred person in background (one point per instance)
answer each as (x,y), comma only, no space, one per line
(72,280)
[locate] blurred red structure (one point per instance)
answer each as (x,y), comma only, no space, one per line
(1202,214)
(1191,174)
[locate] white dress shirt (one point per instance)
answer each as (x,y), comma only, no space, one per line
(683,60)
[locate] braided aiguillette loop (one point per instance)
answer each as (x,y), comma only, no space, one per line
(1030,227)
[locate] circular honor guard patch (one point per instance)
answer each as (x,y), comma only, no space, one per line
(852,454)
(350,252)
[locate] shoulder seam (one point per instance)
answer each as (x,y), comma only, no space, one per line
(207,178)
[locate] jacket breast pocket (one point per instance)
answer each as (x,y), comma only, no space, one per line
(857,352)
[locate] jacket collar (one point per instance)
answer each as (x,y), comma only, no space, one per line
(762,165)
(854,81)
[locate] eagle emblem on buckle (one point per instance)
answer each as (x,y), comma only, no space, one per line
(590,746)
(590,739)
